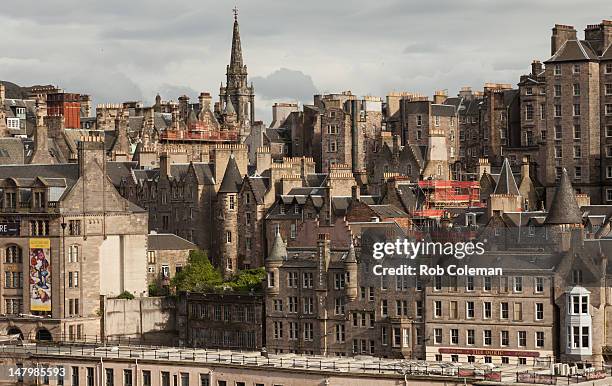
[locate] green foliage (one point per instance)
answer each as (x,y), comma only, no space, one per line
(155,290)
(126,295)
(247,280)
(198,275)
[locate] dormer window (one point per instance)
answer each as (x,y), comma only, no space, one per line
(10,199)
(39,199)
(577,277)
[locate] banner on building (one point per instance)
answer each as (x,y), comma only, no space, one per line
(9,228)
(40,275)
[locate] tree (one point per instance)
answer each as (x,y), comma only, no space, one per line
(198,275)
(247,280)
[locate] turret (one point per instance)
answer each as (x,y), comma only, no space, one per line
(350,267)
(227,217)
(278,254)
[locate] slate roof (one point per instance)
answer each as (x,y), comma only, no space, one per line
(168,242)
(443,110)
(573,51)
(232,180)
(204,173)
(258,186)
(388,211)
(564,208)
(12,151)
(506,184)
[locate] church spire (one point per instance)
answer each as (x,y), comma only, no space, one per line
(236,57)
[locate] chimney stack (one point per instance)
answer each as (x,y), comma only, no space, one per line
(440,96)
(2,95)
(536,68)
(561,34)
(164,165)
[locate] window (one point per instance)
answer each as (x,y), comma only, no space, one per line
(73,254)
(609,172)
(228,237)
(271,281)
(542,111)
(503,310)
(419,309)
(578,172)
(529,91)
(487,283)
(487,337)
(518,311)
(75,376)
(539,284)
(454,336)
(308,331)
(539,339)
(487,310)
(437,120)
(308,280)
(576,69)
(576,89)
(90,378)
(339,306)
(13,254)
(127,377)
(504,338)
(292,279)
(340,333)
(165,378)
(453,310)
(339,281)
(576,109)
(437,283)
(577,277)
(384,308)
(419,120)
(332,146)
(469,283)
(557,69)
(539,311)
(278,330)
(577,132)
(557,111)
(471,337)
(146,379)
(292,304)
(293,331)
(577,151)
(518,284)
(557,90)
(608,88)
(384,338)
(469,309)
(437,309)
(609,131)
(529,112)
(437,335)
(522,338)
(74,227)
(608,68)
(608,109)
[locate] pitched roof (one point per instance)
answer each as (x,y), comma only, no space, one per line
(169,241)
(279,250)
(572,51)
(232,180)
(564,208)
(506,184)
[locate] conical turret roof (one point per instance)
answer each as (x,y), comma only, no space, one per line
(351,257)
(279,250)
(564,208)
(506,183)
(232,179)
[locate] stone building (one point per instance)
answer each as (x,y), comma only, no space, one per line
(229,321)
(546,306)
(70,237)
(167,254)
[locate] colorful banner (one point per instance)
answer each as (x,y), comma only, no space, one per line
(40,275)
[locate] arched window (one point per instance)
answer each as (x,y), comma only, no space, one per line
(13,254)
(73,254)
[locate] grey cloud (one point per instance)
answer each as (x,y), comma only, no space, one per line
(285,83)
(118,50)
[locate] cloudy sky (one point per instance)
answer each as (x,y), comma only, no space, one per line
(119,50)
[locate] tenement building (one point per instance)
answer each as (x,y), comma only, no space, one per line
(67,237)
(323,298)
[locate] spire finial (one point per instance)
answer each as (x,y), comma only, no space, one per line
(235,10)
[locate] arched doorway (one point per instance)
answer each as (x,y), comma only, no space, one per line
(15,331)
(43,334)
